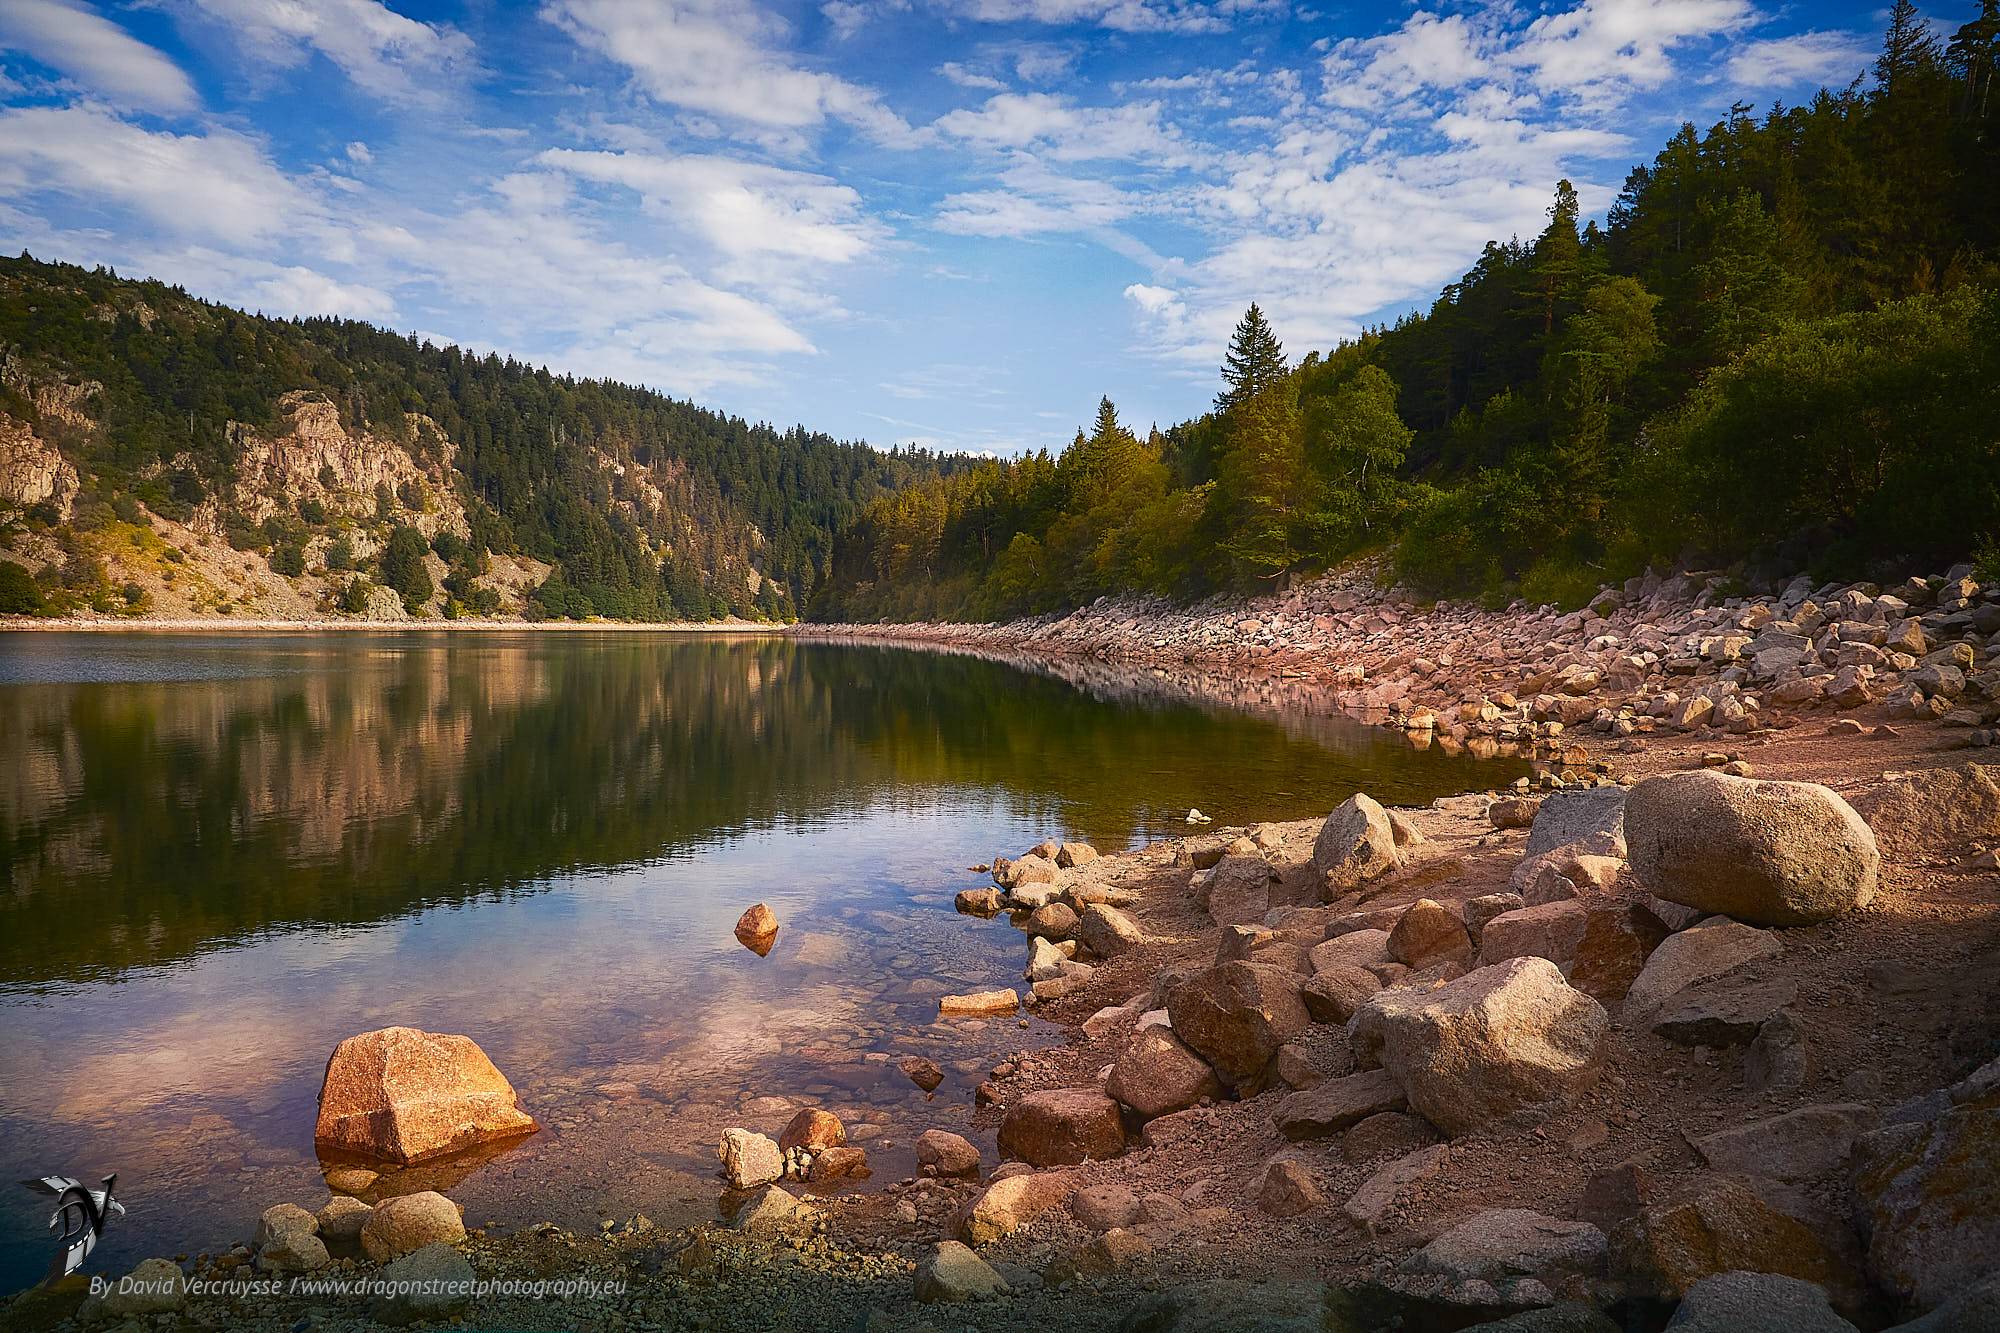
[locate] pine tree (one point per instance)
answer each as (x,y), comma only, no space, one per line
(1907,47)
(1254,363)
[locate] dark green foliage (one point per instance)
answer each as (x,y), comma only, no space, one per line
(401,566)
(1780,348)
(340,554)
(289,559)
(19,595)
(538,456)
(354,597)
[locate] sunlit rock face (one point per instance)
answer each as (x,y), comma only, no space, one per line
(401,1095)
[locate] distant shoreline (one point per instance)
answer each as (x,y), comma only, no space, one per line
(232,624)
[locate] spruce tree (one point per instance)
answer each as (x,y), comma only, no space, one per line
(1254,363)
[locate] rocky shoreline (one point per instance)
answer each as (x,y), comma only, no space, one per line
(1697,1024)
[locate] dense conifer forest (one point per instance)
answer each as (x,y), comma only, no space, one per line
(539,459)
(1782,348)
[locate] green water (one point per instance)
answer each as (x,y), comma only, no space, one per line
(223,854)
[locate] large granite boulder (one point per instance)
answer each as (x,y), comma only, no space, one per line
(948,1271)
(1710,948)
(1756,1303)
(1061,1127)
(1929,1181)
(401,1095)
(1238,892)
(1769,853)
(1515,1254)
(1936,812)
(1505,1040)
(1338,1103)
(1718,1226)
(1236,1016)
(1357,843)
(1159,1074)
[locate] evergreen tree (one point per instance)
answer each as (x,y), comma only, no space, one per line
(1254,362)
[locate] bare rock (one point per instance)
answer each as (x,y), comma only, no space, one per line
(1617,940)
(750,1159)
(341,1218)
(1333,996)
(1756,1303)
(1054,921)
(757,930)
(1105,1207)
(1106,931)
(1502,1251)
(1512,812)
(1427,934)
(1936,812)
(1005,1206)
(1159,1074)
(1552,930)
(948,1271)
(1780,1058)
(1284,1187)
(979,902)
(1389,1134)
(1062,1126)
(944,1153)
(1929,1180)
(838,1163)
(922,1071)
(1073,854)
(281,1218)
(1338,1103)
(1237,1016)
(1355,844)
(1370,1203)
(772,1211)
(1239,890)
(1509,1039)
(1797,1147)
(402,1095)
(1769,853)
(1478,911)
(430,1284)
(1721,1228)
(409,1222)
(984,1002)
(1728,1011)
(1357,948)
(814,1129)
(1714,947)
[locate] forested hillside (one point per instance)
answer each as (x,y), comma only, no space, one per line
(1781,348)
(122,399)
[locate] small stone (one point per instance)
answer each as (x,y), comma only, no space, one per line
(921,1071)
(1062,1126)
(429,1284)
(408,1223)
(342,1218)
(948,1271)
(1379,1193)
(750,1159)
(1105,1207)
(757,930)
(947,1154)
(1285,1188)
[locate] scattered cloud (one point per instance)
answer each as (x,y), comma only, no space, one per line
(1055,127)
(1806,58)
(97,53)
(396,59)
(720,57)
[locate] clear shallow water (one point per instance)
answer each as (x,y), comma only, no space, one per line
(224,854)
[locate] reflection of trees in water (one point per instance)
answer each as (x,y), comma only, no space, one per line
(143,822)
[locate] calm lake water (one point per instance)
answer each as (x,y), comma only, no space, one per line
(224,854)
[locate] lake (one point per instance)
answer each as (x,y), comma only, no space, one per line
(226,853)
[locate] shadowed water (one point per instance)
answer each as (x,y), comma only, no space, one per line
(223,854)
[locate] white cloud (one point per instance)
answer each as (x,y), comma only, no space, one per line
(1804,58)
(1034,201)
(1604,47)
(743,209)
(219,186)
(1116,15)
(966,78)
(1055,127)
(387,55)
(357,153)
(97,53)
(717,56)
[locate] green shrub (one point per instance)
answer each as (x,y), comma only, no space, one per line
(19,594)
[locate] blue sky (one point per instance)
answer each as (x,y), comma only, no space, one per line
(950,221)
